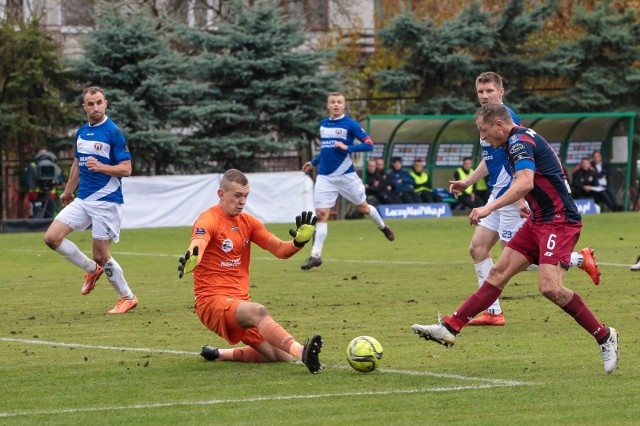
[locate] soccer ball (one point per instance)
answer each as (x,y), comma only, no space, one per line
(364,354)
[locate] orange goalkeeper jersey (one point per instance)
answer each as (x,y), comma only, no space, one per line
(224,267)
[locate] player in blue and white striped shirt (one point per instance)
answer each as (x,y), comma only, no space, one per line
(336,174)
(102,160)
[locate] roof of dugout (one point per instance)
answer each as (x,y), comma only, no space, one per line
(443,140)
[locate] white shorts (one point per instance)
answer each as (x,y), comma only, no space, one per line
(104,217)
(505,221)
(328,188)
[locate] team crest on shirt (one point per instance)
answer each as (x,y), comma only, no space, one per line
(246,242)
(97,146)
(227,245)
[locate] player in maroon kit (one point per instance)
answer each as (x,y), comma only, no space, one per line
(547,238)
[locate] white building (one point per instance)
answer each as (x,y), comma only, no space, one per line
(68,19)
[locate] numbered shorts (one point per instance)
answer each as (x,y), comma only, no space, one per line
(505,221)
(104,217)
(547,242)
(328,188)
(218,314)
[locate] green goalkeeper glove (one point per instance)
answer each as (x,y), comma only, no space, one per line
(188,262)
(305,224)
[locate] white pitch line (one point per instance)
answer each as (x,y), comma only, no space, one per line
(487,383)
(112,348)
(363,261)
(245,400)
(496,382)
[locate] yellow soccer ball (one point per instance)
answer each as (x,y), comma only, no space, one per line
(364,354)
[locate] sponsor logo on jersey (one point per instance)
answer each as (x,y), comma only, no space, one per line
(227,245)
(231,263)
(521,156)
(516,147)
(327,133)
(199,231)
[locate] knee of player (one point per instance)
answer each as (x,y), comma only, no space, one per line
(497,275)
(260,311)
(101,257)
(255,314)
(323,214)
(550,293)
(52,241)
(363,208)
(478,252)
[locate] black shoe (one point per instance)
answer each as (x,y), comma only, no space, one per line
(388,233)
(312,348)
(311,262)
(210,353)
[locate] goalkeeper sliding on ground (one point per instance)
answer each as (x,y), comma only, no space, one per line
(218,256)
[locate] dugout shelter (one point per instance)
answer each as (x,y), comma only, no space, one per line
(442,141)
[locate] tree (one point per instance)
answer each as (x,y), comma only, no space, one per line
(602,72)
(604,66)
(128,55)
(440,62)
(32,84)
(258,90)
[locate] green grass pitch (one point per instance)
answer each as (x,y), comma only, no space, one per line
(64,361)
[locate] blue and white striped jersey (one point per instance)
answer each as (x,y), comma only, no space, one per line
(334,161)
(105,142)
(497,161)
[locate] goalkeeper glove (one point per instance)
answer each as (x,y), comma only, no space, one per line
(305,224)
(188,262)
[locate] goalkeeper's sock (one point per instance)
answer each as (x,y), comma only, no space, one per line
(243,354)
(72,253)
(114,273)
(476,303)
(322,229)
(278,337)
(375,216)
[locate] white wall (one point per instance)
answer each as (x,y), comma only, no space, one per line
(163,201)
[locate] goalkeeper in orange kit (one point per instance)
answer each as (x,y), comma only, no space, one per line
(219,255)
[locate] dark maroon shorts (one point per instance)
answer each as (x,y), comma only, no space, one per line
(547,242)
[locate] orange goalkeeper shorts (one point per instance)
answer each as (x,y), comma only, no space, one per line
(218,314)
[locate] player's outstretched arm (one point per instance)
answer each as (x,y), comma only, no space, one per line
(305,225)
(188,262)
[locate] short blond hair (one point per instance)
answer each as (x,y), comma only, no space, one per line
(233,175)
(490,77)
